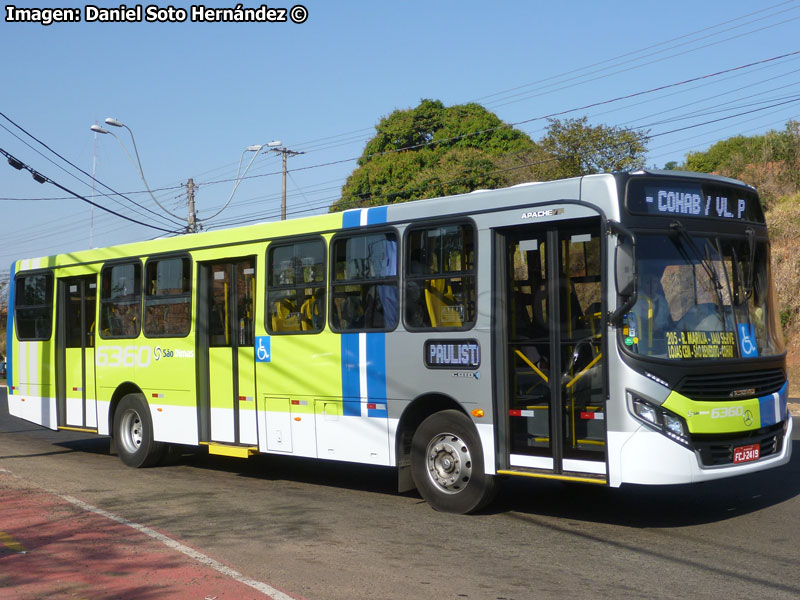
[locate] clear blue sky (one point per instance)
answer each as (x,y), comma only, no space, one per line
(196,95)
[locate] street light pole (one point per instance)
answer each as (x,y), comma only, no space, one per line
(286,153)
(255,149)
(191,226)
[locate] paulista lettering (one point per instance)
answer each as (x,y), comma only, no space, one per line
(453,354)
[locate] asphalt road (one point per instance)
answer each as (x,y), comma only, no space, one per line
(324,531)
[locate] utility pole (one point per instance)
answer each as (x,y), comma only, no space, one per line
(286,153)
(192,227)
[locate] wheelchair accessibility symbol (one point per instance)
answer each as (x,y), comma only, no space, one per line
(263,353)
(747,341)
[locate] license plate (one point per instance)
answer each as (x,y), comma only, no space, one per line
(746,453)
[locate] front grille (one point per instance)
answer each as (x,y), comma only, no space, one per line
(715,450)
(723,386)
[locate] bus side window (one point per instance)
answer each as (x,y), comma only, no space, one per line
(167,303)
(34,306)
(440,277)
(365,292)
(296,287)
(121,300)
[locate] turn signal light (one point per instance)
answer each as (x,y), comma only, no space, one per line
(478,413)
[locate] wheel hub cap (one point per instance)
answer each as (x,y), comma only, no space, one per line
(449,463)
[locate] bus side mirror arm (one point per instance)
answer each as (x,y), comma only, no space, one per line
(625,270)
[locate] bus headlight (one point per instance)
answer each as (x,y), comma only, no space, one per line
(659,418)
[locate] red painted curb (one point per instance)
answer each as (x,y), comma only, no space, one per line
(50,548)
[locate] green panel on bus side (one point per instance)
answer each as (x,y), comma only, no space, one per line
(716,417)
(303,366)
(90,387)
(33,369)
(170,369)
(248,424)
(221,388)
(74,373)
(247,379)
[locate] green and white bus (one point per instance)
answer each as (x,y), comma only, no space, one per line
(608,329)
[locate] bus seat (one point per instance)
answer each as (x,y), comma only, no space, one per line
(284,317)
(311,312)
(351,312)
(442,307)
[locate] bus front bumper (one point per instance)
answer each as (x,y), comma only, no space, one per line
(648,457)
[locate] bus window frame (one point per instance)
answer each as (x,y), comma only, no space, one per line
(102,302)
(435,223)
(360,232)
(291,241)
(51,304)
(145,295)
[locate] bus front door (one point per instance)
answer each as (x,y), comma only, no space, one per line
(228,394)
(554,405)
(75,384)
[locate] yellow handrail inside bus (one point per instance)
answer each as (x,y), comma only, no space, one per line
(531,365)
(575,379)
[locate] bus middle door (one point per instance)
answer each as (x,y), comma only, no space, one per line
(228,303)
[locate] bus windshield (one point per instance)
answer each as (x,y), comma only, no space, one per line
(702,297)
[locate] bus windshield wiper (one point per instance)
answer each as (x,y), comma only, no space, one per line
(679,228)
(751,243)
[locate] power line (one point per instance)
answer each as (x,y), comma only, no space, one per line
(40,178)
(77,167)
(693,33)
(565,87)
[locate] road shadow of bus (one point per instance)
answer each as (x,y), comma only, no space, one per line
(653,506)
(268,467)
(629,505)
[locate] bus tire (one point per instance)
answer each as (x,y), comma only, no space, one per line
(447,464)
(133,433)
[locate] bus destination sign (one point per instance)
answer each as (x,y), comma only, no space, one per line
(694,200)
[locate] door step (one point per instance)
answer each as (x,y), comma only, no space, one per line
(578,477)
(81,429)
(230,450)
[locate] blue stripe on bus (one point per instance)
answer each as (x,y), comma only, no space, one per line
(351,386)
(351,218)
(767,409)
(9,332)
(376,374)
(773,407)
(377,215)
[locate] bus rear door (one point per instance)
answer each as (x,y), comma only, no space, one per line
(75,387)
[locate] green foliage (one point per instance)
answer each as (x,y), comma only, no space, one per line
(786,316)
(428,151)
(671,166)
(718,155)
(433,150)
(581,149)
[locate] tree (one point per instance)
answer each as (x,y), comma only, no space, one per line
(433,150)
(582,149)
(770,161)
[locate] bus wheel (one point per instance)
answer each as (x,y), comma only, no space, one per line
(133,433)
(447,464)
